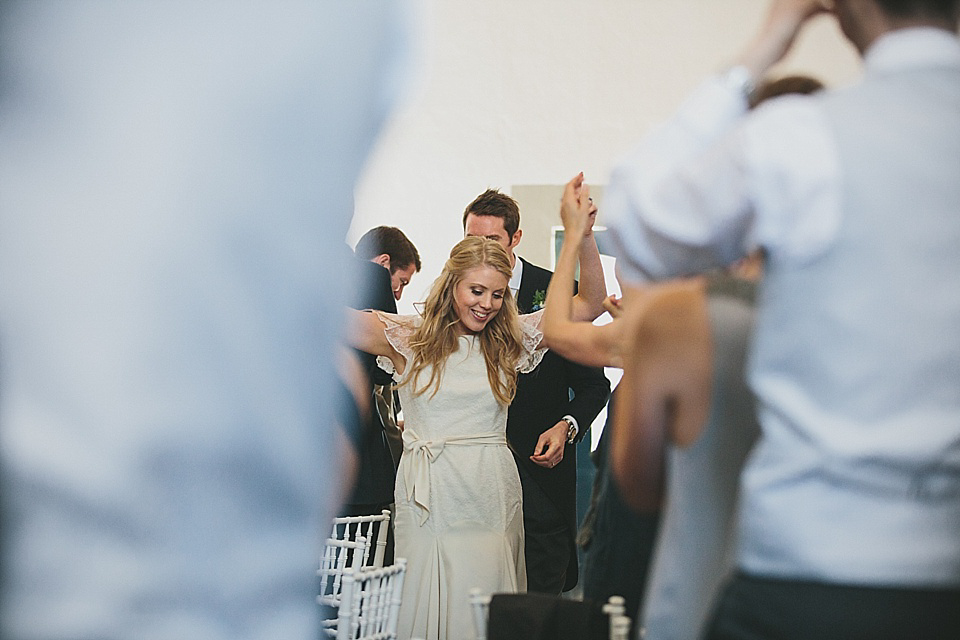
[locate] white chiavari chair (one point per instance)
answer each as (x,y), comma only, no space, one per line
(370,603)
(339,558)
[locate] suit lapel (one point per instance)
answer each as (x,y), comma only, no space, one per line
(525,292)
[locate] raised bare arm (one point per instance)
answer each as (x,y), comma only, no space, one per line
(366,331)
(783,22)
(578,214)
(566,320)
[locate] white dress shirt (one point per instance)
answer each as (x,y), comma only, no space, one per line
(853,194)
(516,277)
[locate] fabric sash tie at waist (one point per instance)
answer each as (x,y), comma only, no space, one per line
(421,453)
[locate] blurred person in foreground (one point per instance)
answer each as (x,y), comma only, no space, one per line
(697,492)
(850,514)
(177,179)
(682,422)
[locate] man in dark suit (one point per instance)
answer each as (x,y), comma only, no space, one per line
(552,411)
(385,261)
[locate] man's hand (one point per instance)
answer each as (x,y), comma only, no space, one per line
(549,450)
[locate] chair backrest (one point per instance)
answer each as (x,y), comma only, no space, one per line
(615,610)
(370,604)
(373,528)
(339,557)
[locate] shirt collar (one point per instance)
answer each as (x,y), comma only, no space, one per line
(911,48)
(517,275)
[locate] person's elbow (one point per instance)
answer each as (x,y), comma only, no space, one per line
(553,333)
(639,490)
(573,341)
(587,309)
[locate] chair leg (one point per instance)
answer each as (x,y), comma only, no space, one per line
(346,615)
(396,596)
(480,603)
(619,622)
(381,548)
(619,628)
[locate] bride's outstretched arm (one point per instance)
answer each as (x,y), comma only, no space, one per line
(366,331)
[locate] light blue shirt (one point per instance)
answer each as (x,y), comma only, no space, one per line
(177,186)
(856,357)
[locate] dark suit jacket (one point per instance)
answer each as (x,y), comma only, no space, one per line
(543,398)
(377,473)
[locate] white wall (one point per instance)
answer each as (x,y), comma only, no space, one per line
(525,92)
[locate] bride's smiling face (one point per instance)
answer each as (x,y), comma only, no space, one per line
(478,298)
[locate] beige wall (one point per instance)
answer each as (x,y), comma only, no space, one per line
(528,92)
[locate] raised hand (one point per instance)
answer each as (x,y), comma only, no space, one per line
(613,305)
(783,22)
(577,210)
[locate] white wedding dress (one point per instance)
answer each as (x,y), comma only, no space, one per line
(459,518)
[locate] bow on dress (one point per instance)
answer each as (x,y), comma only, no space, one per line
(420,454)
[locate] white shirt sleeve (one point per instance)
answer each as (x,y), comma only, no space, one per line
(711,184)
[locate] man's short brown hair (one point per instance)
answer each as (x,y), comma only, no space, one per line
(391,241)
(499,205)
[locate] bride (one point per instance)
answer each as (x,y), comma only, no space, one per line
(459,520)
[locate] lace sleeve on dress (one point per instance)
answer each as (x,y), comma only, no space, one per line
(398,332)
(532,336)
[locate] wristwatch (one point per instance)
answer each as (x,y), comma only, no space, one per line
(571,429)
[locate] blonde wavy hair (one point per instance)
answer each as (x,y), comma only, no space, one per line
(437,337)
